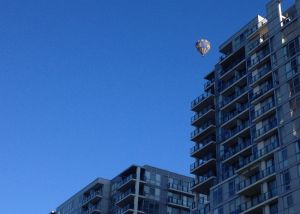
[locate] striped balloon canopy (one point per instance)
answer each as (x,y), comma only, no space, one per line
(203,46)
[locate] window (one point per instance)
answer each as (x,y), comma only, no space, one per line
(291,48)
(297,145)
(286,180)
(294,85)
(283,158)
(291,67)
(231,187)
(218,195)
(219,210)
(288,204)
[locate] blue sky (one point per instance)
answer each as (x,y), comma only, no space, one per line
(88,87)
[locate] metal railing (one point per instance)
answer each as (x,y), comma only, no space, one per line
(202,128)
(236,149)
(259,199)
(199,99)
(202,144)
(202,161)
(226,134)
(263,109)
(253,179)
(228,83)
(270,125)
(261,92)
(201,113)
(260,74)
(231,115)
(256,155)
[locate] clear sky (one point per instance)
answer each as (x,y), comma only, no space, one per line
(89,87)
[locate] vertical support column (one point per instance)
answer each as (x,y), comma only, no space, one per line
(137,188)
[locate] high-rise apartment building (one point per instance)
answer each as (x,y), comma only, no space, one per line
(136,190)
(247,124)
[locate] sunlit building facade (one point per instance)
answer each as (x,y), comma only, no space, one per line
(136,190)
(247,123)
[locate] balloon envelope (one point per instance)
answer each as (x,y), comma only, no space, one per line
(203,46)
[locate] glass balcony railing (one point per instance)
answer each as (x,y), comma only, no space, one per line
(232,65)
(263,109)
(199,99)
(226,85)
(125,180)
(227,100)
(92,210)
(256,27)
(125,194)
(270,125)
(232,114)
(259,199)
(202,161)
(203,112)
(202,128)
(202,144)
(258,41)
(226,134)
(209,83)
(253,179)
(261,92)
(179,187)
(256,155)
(261,55)
(93,195)
(260,74)
(201,179)
(236,149)
(180,202)
(228,173)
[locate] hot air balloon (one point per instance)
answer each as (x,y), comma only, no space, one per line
(203,46)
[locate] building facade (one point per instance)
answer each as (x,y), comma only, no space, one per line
(136,190)
(247,123)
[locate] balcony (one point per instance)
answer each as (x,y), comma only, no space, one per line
(235,79)
(234,97)
(202,184)
(261,75)
(266,130)
(93,197)
(262,93)
(209,83)
(204,164)
(126,182)
(253,46)
(247,185)
(256,202)
(228,135)
(254,30)
(233,152)
(209,144)
(179,203)
(208,112)
(125,197)
(257,156)
(227,173)
(129,208)
(259,59)
(264,111)
(201,101)
(203,130)
(93,210)
(231,115)
(179,188)
(235,64)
